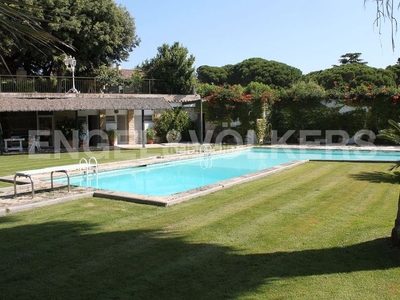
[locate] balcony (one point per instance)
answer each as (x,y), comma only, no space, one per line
(62,84)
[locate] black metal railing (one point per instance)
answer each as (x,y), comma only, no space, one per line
(62,84)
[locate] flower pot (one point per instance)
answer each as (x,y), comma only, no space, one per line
(112,143)
(150,141)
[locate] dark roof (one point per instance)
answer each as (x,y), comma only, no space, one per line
(71,102)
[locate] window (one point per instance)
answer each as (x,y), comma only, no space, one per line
(148,118)
(110,119)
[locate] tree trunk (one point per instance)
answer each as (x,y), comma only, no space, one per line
(396,228)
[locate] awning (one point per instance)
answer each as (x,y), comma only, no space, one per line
(71,102)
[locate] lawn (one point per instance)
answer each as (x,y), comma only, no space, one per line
(317,231)
(16,162)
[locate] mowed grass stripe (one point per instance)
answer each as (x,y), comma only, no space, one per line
(227,203)
(263,207)
(339,209)
(304,208)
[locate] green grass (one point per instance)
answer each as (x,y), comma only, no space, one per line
(318,231)
(16,162)
(12,163)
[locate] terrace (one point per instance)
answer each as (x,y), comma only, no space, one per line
(62,84)
(42,101)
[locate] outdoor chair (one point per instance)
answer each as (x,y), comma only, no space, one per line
(34,142)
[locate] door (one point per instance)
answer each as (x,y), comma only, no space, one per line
(93,124)
(45,130)
(121,126)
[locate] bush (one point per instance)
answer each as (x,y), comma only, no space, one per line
(174,119)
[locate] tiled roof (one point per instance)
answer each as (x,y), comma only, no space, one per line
(126,73)
(14,102)
(181,98)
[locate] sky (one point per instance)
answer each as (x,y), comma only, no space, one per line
(310,35)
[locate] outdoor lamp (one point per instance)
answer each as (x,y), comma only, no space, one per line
(70,62)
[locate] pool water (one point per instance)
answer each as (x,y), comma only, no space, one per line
(164,179)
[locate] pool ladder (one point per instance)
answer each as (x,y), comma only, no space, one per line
(92,176)
(206,149)
(206,162)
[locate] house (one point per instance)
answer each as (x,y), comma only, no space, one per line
(130,114)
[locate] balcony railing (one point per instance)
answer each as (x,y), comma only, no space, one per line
(62,84)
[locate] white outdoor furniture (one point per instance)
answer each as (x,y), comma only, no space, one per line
(82,165)
(10,147)
(34,142)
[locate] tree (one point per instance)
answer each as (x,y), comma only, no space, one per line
(108,77)
(136,81)
(18,26)
(100,31)
(351,58)
(395,69)
(212,75)
(393,134)
(353,75)
(172,67)
(272,73)
(172,120)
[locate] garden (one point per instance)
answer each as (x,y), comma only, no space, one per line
(317,231)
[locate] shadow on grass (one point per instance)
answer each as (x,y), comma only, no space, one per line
(73,261)
(378,177)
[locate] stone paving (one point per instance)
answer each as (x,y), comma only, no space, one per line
(43,196)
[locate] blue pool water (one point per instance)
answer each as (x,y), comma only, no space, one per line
(164,179)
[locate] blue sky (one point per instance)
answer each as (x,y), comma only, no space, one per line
(310,35)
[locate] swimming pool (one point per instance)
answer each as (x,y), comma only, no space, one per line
(168,178)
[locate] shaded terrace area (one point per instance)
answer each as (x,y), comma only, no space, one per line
(21,113)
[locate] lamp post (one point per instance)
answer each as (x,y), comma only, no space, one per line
(70,62)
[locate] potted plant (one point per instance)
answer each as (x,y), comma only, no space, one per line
(151,135)
(112,136)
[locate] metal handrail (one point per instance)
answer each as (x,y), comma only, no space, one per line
(62,84)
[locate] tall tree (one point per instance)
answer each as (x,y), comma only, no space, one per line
(212,75)
(351,58)
(395,69)
(353,75)
(18,26)
(172,67)
(264,71)
(101,32)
